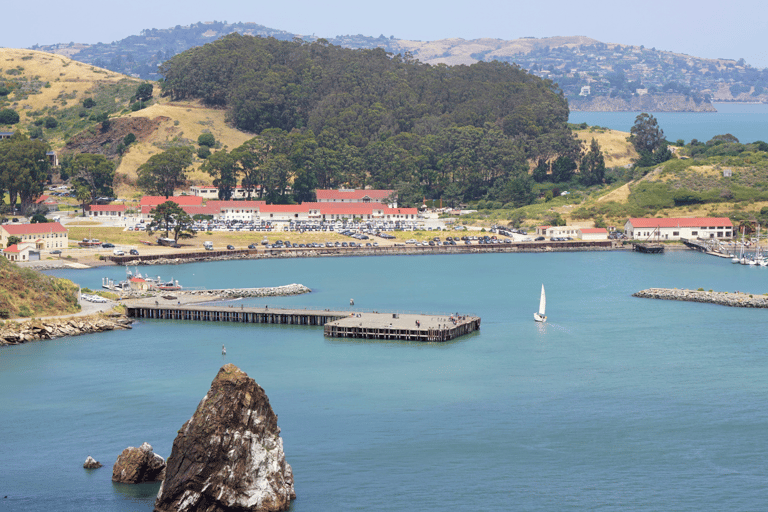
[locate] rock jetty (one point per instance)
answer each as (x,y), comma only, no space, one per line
(236,293)
(15,333)
(735,299)
(138,465)
(229,455)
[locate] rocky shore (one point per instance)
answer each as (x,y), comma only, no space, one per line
(15,333)
(734,299)
(644,103)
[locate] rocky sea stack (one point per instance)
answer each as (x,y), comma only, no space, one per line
(229,455)
(138,465)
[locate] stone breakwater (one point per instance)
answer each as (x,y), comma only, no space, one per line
(237,293)
(15,333)
(735,299)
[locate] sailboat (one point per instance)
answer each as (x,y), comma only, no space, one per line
(541,316)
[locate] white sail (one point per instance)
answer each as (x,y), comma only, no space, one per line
(541,315)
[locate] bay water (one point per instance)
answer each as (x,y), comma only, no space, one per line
(617,403)
(746,121)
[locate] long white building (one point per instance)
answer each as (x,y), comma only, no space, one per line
(677,228)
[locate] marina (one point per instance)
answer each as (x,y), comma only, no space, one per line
(336,324)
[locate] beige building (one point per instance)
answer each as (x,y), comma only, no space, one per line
(44,235)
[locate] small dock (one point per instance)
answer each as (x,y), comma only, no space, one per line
(337,324)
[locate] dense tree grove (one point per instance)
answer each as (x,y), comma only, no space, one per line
(328,117)
(24,170)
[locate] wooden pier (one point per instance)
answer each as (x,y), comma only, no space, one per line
(337,324)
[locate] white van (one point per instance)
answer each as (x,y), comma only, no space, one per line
(208,246)
(118,252)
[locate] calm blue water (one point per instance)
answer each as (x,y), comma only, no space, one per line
(748,122)
(617,403)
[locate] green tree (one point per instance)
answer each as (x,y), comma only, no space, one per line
(646,135)
(50,122)
(169,217)
(24,169)
(144,91)
(89,103)
(8,116)
(251,156)
(12,240)
(562,169)
(592,169)
(38,218)
(94,173)
(165,172)
(223,167)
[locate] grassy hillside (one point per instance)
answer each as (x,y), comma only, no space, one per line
(45,86)
(26,293)
(182,121)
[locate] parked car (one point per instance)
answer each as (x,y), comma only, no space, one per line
(133,252)
(56,251)
(252,246)
(540,238)
(231,247)
(107,245)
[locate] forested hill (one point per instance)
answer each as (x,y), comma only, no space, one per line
(369,118)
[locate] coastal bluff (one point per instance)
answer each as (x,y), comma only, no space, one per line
(735,299)
(229,455)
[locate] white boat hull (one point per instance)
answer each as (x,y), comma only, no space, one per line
(539,318)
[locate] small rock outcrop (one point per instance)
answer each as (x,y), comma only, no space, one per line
(91,463)
(229,455)
(138,465)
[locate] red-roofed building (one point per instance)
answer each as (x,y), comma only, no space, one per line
(354,196)
(677,228)
(148,203)
(106,211)
(43,235)
(21,252)
(237,210)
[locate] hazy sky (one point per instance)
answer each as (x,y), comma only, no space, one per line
(734,29)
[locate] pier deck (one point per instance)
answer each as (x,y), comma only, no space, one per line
(337,324)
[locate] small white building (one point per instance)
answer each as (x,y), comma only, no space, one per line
(21,252)
(677,228)
(106,211)
(592,234)
(558,231)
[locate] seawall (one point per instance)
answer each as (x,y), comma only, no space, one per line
(735,299)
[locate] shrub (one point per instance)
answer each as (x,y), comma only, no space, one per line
(203,152)
(129,139)
(89,103)
(206,139)
(8,116)
(51,122)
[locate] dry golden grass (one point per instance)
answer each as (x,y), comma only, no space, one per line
(618,152)
(187,120)
(65,77)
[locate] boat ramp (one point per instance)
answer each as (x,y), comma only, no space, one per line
(336,323)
